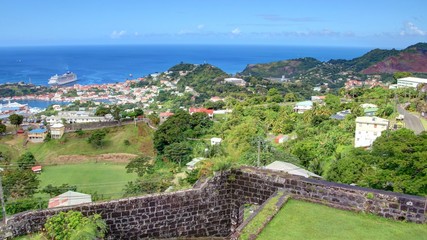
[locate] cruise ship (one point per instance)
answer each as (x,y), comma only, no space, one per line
(65,78)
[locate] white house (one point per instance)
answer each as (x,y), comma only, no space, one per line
(368,129)
(216,141)
(410,82)
(301,107)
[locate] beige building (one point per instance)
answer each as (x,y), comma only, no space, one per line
(57,130)
(37,135)
(368,129)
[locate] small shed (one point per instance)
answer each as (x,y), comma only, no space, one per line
(192,165)
(37,169)
(69,198)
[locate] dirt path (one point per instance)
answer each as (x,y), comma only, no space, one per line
(109,157)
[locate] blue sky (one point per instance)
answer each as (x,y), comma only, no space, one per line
(362,23)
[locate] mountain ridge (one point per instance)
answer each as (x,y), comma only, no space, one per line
(377,61)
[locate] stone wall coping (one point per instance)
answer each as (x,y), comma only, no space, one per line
(263,171)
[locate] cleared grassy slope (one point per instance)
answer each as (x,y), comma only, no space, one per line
(140,138)
(302,220)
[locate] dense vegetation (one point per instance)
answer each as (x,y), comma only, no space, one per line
(397,162)
(288,68)
(20,89)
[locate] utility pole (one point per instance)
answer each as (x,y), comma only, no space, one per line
(2,199)
(259,152)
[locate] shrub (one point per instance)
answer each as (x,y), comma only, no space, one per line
(73,225)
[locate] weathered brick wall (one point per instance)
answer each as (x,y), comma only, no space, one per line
(215,208)
(253,185)
(205,211)
(88,126)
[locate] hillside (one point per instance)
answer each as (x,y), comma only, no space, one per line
(411,59)
(288,68)
(378,61)
(73,148)
(206,79)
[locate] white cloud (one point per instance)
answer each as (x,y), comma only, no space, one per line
(136,34)
(117,34)
(200,26)
(184,32)
(236,31)
(411,29)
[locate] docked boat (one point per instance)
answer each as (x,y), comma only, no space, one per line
(65,78)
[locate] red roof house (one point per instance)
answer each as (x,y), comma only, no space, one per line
(209,112)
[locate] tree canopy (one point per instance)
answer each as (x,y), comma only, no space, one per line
(26,161)
(16,119)
(397,162)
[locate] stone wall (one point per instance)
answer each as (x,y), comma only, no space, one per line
(255,186)
(215,208)
(205,211)
(89,126)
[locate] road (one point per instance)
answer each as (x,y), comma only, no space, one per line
(411,121)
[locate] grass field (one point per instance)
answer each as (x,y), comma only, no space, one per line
(105,178)
(302,220)
(140,138)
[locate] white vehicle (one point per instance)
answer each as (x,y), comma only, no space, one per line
(400,117)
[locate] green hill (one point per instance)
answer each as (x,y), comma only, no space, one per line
(208,80)
(288,68)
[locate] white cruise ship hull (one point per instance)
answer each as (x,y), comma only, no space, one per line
(63,79)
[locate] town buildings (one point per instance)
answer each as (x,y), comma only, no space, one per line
(368,129)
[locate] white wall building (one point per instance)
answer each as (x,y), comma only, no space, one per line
(368,129)
(410,82)
(77,117)
(235,81)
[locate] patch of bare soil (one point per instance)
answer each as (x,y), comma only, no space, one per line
(108,157)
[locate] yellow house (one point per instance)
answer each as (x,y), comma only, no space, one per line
(57,130)
(37,135)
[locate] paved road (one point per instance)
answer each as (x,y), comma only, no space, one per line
(411,121)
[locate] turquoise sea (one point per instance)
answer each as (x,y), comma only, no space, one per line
(107,64)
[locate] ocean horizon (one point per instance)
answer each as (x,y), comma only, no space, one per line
(100,64)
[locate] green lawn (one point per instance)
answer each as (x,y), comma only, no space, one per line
(302,220)
(105,178)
